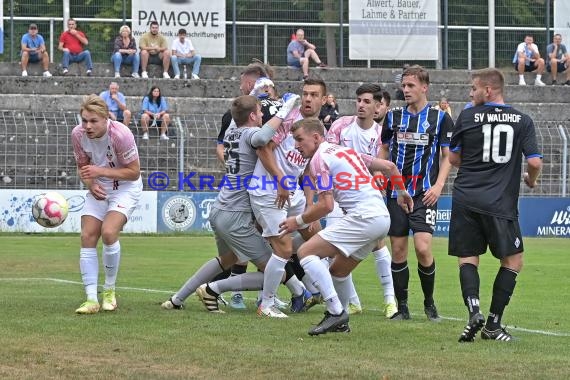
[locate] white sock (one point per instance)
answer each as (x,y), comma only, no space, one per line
(273,276)
(383,263)
(309,284)
(353,296)
(538,76)
(343,288)
(295,286)
(89,266)
(521,77)
(111,261)
(322,280)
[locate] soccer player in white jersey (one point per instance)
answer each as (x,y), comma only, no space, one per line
(362,134)
(343,175)
(275,193)
(108,163)
(237,238)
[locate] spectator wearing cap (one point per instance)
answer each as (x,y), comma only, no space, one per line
(34,50)
(183,52)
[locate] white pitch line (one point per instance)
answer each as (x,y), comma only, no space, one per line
(62,281)
(80,283)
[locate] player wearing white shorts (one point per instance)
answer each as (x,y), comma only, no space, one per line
(362,134)
(108,162)
(341,175)
(237,238)
(275,194)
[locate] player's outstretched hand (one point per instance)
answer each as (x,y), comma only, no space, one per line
(261,86)
(405,201)
(290,102)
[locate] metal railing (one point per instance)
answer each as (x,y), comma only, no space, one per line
(264,48)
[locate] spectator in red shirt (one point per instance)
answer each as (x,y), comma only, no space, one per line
(71,43)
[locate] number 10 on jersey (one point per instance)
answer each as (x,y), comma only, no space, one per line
(495,137)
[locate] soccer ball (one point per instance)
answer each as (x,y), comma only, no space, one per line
(50,209)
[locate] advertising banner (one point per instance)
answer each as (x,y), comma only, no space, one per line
(538,217)
(393,29)
(562,20)
(184,211)
(204,21)
(1,26)
(16,212)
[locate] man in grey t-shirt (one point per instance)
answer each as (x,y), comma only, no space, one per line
(231,217)
(299,51)
(557,59)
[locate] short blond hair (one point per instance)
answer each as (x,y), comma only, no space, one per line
(96,104)
(125,27)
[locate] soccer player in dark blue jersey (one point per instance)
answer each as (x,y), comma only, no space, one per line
(487,146)
(416,138)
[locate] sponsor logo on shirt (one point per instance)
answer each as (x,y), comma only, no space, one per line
(130,153)
(413,138)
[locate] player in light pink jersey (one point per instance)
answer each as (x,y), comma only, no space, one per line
(362,133)
(349,241)
(108,163)
(275,194)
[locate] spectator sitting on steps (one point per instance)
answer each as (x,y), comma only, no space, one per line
(117,104)
(527,59)
(34,50)
(71,43)
(155,108)
(299,51)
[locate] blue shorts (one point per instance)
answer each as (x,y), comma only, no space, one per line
(527,68)
(560,65)
(118,114)
(295,62)
(34,57)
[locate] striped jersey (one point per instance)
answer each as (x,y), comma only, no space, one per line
(415,142)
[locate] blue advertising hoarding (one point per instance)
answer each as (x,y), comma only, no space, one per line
(184,211)
(538,217)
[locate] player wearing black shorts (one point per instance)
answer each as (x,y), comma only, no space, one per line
(416,138)
(487,147)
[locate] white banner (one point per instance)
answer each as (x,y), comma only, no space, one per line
(204,21)
(393,29)
(562,20)
(16,215)
(1,26)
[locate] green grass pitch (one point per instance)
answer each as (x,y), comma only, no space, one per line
(41,337)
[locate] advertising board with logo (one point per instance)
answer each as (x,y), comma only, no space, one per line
(184,211)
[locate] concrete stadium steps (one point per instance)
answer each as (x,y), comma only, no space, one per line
(383,75)
(556,110)
(228,88)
